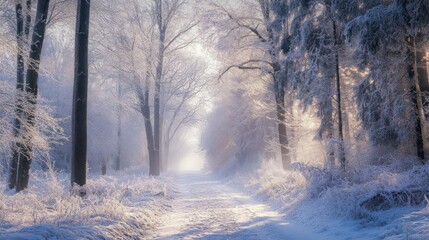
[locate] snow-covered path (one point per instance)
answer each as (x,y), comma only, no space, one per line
(206,208)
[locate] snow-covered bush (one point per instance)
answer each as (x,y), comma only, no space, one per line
(333,201)
(113,206)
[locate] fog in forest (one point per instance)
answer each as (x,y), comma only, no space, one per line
(239,119)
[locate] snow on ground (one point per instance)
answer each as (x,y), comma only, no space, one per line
(209,208)
(267,203)
(330,205)
(116,207)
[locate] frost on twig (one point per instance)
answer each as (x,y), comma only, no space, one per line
(45,132)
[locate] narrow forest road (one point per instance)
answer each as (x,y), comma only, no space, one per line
(206,208)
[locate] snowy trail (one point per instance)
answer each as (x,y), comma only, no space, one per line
(206,208)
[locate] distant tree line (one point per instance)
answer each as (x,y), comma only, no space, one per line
(142,53)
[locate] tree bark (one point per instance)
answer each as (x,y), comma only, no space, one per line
(119,130)
(31,90)
(27,21)
(281,126)
(145,108)
(422,71)
(80,94)
(157,96)
(279,86)
(415,95)
(16,148)
(103,167)
(342,154)
(166,154)
(330,149)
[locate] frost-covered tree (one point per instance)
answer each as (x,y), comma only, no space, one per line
(184,95)
(41,134)
(251,35)
(31,90)
(389,98)
(314,47)
(144,53)
(170,39)
(22,33)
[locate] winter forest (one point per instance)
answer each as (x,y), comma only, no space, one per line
(214,119)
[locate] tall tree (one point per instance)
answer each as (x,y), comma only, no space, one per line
(119,130)
(162,28)
(320,79)
(20,77)
(413,25)
(165,12)
(389,98)
(141,46)
(258,25)
(31,90)
(80,94)
(315,51)
(184,84)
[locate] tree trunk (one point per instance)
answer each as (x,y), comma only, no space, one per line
(291,129)
(413,77)
(342,154)
(119,131)
(27,21)
(157,95)
(279,89)
(103,167)
(157,126)
(281,126)
(80,94)
(422,69)
(31,90)
(16,148)
(118,154)
(415,95)
(166,154)
(148,124)
(423,79)
(330,147)
(20,31)
(161,140)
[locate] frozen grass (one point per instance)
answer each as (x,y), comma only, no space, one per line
(116,206)
(330,201)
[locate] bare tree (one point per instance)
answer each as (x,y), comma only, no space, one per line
(165,12)
(255,32)
(80,92)
(22,32)
(183,98)
(141,48)
(32,90)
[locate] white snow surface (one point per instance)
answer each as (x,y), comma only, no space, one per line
(119,206)
(330,205)
(264,203)
(210,208)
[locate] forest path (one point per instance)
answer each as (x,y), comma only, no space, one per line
(208,208)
